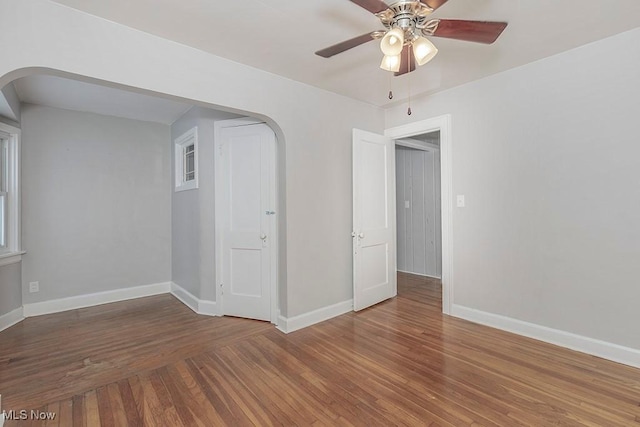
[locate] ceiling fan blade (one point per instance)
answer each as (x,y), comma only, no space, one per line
(407,61)
(434,4)
(373,6)
(471,31)
(345,45)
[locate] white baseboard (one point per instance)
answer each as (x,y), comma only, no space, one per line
(10,319)
(81,301)
(1,418)
(99,298)
(603,349)
(199,306)
(291,324)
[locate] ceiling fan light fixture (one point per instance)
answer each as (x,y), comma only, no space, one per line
(423,50)
(392,42)
(391,63)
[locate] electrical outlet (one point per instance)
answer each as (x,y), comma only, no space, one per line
(34,287)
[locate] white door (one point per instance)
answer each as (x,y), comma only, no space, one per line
(374,222)
(247,156)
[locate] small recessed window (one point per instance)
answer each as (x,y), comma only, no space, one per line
(186,161)
(189,163)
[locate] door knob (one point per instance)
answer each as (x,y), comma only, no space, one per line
(263,236)
(361,235)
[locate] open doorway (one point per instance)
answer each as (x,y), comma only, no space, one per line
(418,213)
(418,205)
(422,135)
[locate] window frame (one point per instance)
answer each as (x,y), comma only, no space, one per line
(181,143)
(4,191)
(12,251)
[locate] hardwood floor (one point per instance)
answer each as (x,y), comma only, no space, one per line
(152,362)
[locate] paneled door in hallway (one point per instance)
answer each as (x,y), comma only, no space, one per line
(247,224)
(374,222)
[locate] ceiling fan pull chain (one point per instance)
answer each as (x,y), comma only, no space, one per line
(409,79)
(390,90)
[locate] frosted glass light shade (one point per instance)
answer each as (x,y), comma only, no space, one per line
(391,63)
(423,50)
(392,42)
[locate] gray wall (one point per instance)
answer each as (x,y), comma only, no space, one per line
(9,105)
(193,211)
(10,291)
(548,157)
(96,203)
(10,280)
(418,184)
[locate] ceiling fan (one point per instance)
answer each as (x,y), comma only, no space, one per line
(407,24)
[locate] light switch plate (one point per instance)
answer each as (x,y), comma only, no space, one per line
(460,201)
(407,204)
(34,287)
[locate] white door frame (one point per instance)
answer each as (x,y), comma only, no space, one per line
(219,213)
(442,124)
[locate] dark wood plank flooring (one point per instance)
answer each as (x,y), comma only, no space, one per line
(152,362)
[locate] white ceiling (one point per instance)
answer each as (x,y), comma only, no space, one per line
(281,36)
(59,92)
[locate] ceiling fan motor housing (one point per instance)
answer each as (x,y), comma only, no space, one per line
(411,17)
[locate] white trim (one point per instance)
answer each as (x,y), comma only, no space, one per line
(603,349)
(443,124)
(99,298)
(199,306)
(295,323)
(207,308)
(1,418)
(220,214)
(14,197)
(419,274)
(273,176)
(11,318)
(185,297)
(11,258)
